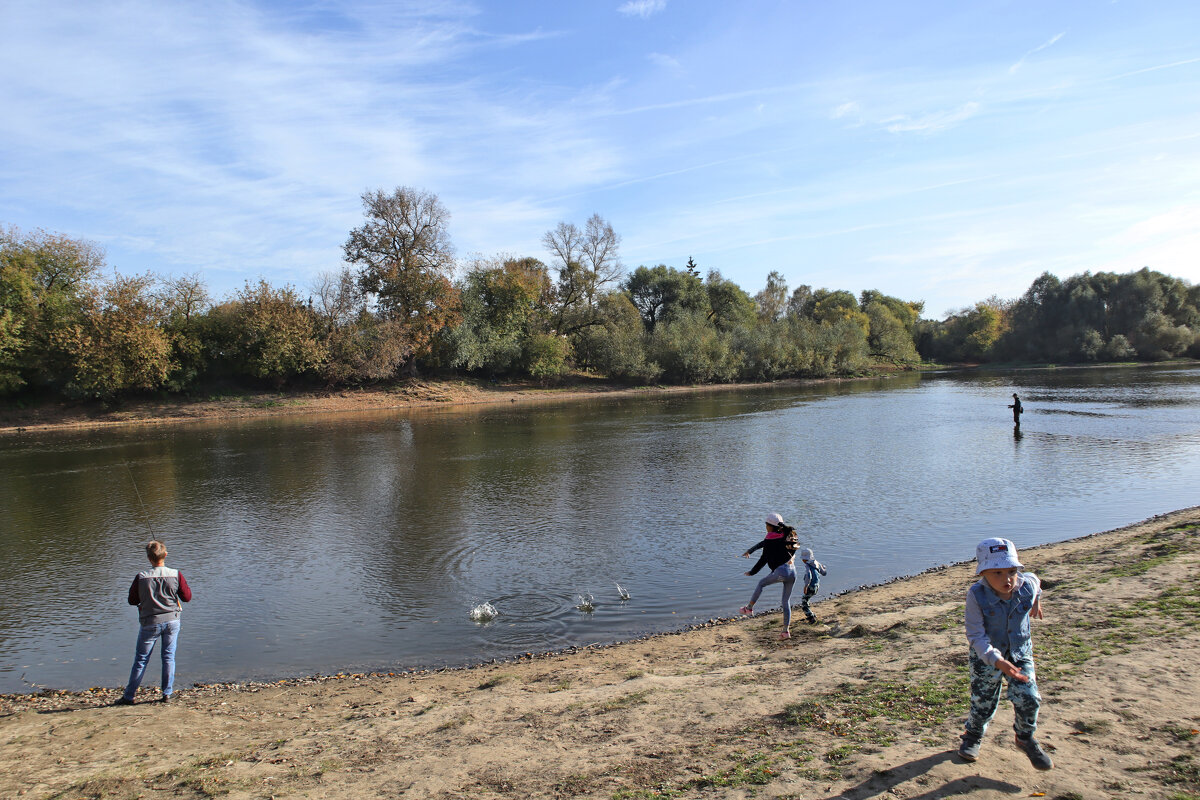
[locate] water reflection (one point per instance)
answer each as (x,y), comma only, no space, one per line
(322,543)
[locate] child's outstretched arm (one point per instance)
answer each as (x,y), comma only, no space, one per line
(762,559)
(762,562)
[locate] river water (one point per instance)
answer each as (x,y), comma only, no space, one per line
(354,542)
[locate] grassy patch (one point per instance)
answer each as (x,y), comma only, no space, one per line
(496,680)
(1091,726)
(861,711)
(102,789)
(456,722)
(624,701)
(1180,733)
(203,776)
(1181,772)
(752,770)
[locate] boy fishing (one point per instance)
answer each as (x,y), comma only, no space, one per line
(158,593)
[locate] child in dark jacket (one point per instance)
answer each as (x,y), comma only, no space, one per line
(778,548)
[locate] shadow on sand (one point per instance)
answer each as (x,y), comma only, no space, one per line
(880,783)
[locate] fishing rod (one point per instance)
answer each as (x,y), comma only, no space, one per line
(145,513)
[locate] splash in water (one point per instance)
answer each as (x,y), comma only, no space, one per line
(484,612)
(585,603)
(621,590)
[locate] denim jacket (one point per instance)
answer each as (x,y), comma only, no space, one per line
(1000,628)
(812,577)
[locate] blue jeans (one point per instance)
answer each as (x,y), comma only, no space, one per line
(786,574)
(147,636)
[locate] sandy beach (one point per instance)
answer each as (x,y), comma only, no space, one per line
(867,703)
(414,395)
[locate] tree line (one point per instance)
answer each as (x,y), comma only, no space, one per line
(1143,315)
(401,304)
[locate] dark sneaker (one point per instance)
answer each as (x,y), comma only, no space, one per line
(1037,756)
(969,749)
(123,701)
(166,698)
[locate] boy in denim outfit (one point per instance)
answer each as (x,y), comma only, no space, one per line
(813,570)
(999,606)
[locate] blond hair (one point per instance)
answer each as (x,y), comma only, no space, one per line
(156,550)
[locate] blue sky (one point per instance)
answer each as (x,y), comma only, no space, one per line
(936,151)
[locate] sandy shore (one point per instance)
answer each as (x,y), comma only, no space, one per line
(412,394)
(868,703)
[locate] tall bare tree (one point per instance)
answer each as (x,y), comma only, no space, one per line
(587,262)
(338,298)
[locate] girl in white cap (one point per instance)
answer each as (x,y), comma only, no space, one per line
(779,546)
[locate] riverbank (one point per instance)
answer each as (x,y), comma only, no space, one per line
(410,394)
(869,702)
(26,417)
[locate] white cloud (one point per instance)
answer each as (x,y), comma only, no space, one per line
(934,122)
(666,62)
(845,110)
(642,8)
(1167,241)
(1021,61)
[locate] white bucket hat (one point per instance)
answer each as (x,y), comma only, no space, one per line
(996,554)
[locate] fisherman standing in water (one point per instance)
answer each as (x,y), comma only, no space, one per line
(1017,410)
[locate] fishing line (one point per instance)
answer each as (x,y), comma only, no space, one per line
(145,513)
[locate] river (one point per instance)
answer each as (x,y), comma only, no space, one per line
(356,542)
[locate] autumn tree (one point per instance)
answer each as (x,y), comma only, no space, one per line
(405,263)
(274,334)
(44,280)
(505,309)
(185,301)
(831,307)
(118,343)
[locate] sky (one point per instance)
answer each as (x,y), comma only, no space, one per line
(941,152)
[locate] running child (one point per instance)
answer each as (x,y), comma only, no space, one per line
(778,548)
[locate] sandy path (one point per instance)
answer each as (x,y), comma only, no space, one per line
(866,704)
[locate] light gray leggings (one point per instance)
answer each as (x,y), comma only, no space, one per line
(786,574)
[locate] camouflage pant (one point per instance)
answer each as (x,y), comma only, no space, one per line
(985,696)
(808,593)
